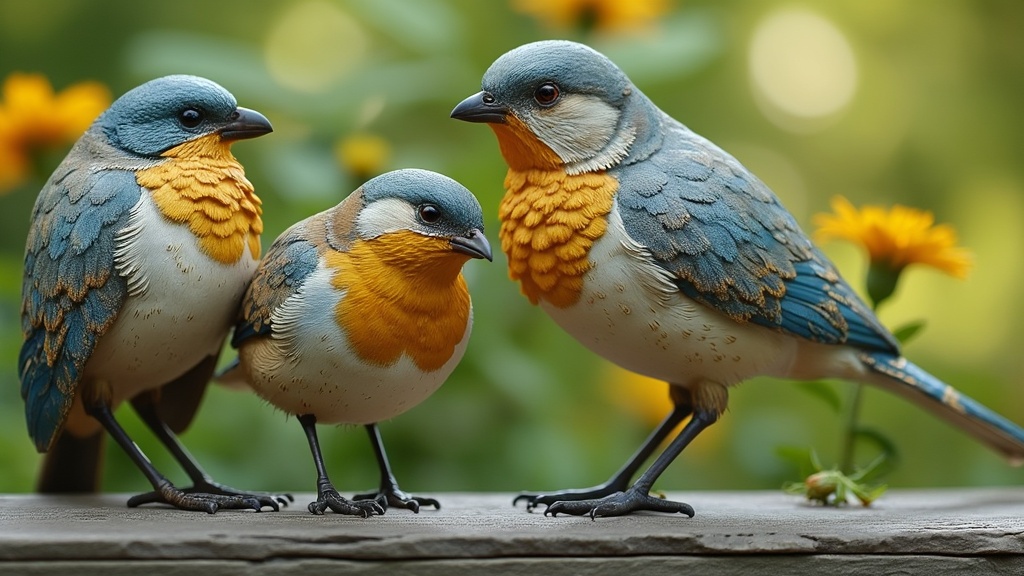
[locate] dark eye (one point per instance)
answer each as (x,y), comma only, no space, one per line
(429,213)
(546,94)
(190,117)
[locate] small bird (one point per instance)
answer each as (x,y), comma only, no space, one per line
(361,312)
(662,253)
(142,243)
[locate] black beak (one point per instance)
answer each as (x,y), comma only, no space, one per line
(244,124)
(474,244)
(480,107)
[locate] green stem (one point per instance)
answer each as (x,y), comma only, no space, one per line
(846,460)
(883,290)
(881,282)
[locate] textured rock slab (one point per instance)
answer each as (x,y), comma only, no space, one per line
(941,531)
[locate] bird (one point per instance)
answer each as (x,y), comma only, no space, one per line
(141,244)
(660,252)
(359,313)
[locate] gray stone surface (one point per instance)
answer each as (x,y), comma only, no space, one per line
(938,532)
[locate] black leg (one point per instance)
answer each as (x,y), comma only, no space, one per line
(389,494)
(620,481)
(202,483)
(326,495)
(638,496)
(164,490)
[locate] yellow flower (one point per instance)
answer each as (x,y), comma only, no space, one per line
(32,117)
(363,155)
(643,397)
(647,400)
(895,238)
(600,14)
(14,165)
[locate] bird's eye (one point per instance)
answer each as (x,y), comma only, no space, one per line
(546,94)
(190,117)
(429,213)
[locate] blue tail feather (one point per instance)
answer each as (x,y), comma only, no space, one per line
(929,392)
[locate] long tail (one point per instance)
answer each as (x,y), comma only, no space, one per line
(72,464)
(910,381)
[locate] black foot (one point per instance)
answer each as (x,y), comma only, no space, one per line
(226,496)
(392,497)
(534,500)
(618,504)
(209,503)
(330,498)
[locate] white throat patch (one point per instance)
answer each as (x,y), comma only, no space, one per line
(582,130)
(385,216)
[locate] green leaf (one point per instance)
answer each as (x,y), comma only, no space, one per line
(689,41)
(866,498)
(906,332)
(803,458)
(884,462)
(815,462)
(874,468)
(427,25)
(840,495)
(822,391)
(798,488)
(880,440)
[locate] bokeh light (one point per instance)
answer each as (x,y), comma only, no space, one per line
(312,45)
(802,68)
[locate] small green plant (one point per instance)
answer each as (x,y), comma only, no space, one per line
(833,487)
(894,239)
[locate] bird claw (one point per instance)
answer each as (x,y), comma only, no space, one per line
(272,500)
(223,496)
(199,501)
(534,500)
(330,498)
(392,497)
(618,504)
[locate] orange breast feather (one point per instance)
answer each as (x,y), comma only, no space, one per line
(203,186)
(404,294)
(549,221)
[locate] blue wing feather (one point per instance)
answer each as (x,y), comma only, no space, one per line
(930,392)
(70,294)
(285,267)
(732,246)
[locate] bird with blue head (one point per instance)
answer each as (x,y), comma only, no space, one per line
(361,312)
(659,251)
(142,243)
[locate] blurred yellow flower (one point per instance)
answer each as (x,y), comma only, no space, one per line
(599,14)
(647,399)
(32,117)
(363,155)
(895,238)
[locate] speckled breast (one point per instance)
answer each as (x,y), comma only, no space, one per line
(549,222)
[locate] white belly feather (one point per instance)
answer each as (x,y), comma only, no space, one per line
(308,367)
(631,313)
(180,307)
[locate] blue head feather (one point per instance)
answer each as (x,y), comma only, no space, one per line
(147,120)
(460,210)
(576,68)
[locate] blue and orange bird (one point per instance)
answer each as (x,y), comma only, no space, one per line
(142,243)
(361,312)
(662,253)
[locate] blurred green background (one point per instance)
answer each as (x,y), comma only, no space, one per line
(915,102)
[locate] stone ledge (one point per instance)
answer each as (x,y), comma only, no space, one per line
(945,531)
